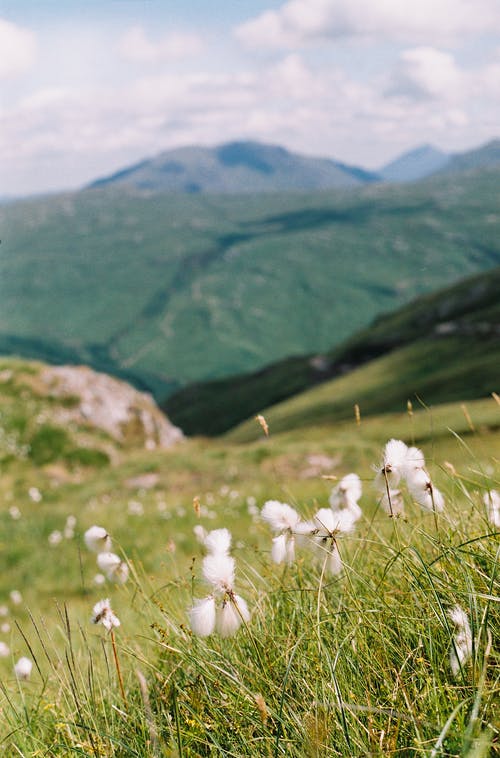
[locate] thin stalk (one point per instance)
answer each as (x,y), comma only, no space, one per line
(118,669)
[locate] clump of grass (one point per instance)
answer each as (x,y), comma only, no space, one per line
(352,664)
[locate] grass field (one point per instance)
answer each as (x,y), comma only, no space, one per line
(355,664)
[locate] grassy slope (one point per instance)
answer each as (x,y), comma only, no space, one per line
(168,290)
(468,358)
(375,639)
(423,372)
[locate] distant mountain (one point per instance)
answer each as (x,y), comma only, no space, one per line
(484,157)
(233,168)
(415,165)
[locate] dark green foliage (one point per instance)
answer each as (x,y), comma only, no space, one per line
(87,456)
(48,444)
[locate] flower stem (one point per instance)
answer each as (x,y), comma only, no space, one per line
(118,669)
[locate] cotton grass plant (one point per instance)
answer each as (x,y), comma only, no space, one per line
(349,644)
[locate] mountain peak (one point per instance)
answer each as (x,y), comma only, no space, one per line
(236,167)
(415,164)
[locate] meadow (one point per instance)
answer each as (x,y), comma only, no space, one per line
(352,664)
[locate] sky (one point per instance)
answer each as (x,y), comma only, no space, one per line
(90,86)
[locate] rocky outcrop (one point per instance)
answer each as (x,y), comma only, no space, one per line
(99,400)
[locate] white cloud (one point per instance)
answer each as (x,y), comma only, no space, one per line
(136,46)
(66,136)
(299,22)
(17,49)
(425,72)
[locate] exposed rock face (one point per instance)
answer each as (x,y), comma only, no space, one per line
(110,404)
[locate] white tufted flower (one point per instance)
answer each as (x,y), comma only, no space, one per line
(23,667)
(218,541)
(222,610)
(461,649)
(102,613)
(283,519)
(423,491)
(491,500)
(392,466)
(232,614)
(97,539)
(346,493)
(113,567)
(202,616)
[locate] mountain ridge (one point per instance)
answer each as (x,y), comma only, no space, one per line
(416,164)
(244,166)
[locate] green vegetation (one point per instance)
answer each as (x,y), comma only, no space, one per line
(167,290)
(354,664)
(27,428)
(446,345)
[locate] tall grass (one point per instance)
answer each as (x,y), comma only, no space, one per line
(353,665)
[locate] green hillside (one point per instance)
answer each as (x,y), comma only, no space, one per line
(458,328)
(169,290)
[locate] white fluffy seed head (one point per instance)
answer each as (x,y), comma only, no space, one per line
(324,521)
(329,522)
(218,570)
(345,520)
(395,453)
(414,460)
(334,562)
(417,479)
(391,468)
(200,533)
(4,650)
(119,575)
(461,649)
(491,500)
(459,617)
(23,667)
(218,541)
(305,533)
(242,608)
(278,549)
(231,616)
(102,613)
(280,516)
(346,493)
(108,561)
(16,597)
(425,494)
(290,550)
(228,620)
(202,616)
(97,539)
(112,565)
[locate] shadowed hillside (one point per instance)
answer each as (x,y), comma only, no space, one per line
(451,342)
